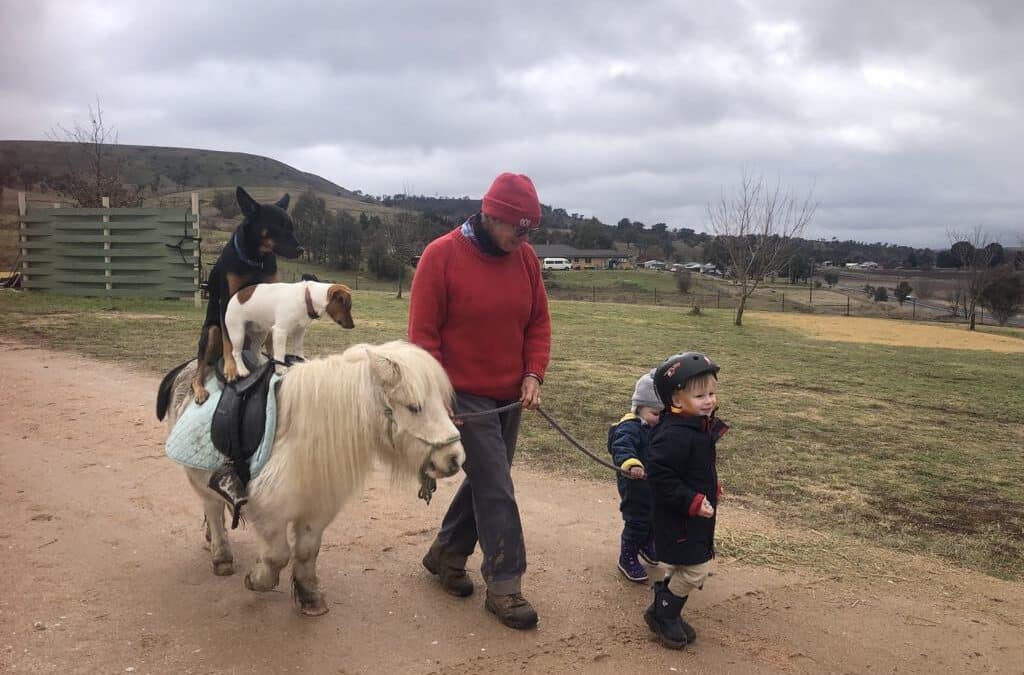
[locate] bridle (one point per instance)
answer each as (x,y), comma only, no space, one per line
(433,445)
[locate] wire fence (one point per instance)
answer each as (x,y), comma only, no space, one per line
(798,301)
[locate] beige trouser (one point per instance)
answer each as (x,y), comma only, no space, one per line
(687,577)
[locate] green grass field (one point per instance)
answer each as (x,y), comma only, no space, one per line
(918,449)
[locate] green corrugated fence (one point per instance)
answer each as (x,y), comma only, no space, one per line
(115,252)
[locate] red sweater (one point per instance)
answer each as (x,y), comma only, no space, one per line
(484,317)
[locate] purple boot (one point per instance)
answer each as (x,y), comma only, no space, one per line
(629,565)
(648,553)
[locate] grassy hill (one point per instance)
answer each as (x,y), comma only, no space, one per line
(164,170)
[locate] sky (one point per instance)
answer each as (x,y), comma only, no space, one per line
(902,119)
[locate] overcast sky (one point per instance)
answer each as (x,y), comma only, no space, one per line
(905,117)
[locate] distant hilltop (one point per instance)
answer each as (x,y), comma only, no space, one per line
(27,164)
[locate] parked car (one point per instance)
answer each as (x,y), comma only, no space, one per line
(654,265)
(556,264)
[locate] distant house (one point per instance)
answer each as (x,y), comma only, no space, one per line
(586,258)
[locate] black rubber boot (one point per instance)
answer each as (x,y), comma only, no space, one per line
(225,482)
(664,618)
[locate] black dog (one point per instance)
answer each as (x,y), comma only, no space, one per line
(249,257)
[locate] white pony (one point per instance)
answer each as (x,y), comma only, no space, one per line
(335,417)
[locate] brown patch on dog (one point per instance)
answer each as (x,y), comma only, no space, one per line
(339,305)
(245,294)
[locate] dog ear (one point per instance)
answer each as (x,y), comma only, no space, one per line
(248,205)
(342,291)
(282,203)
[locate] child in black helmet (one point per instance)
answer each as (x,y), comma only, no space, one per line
(683,477)
(627,443)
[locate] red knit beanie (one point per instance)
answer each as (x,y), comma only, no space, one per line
(512,199)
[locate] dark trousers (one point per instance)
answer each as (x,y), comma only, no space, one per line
(484,507)
(636,505)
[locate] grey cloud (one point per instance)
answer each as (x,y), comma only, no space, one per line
(904,116)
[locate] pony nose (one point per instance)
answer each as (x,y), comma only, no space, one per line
(453,466)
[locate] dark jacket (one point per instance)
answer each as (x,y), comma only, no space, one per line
(627,442)
(682,472)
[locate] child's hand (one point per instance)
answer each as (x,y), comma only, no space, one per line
(706,509)
(637,473)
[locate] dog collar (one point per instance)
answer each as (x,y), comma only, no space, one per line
(258,264)
(309,306)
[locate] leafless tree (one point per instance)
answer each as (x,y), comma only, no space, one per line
(974,257)
(94,164)
(403,237)
(758,224)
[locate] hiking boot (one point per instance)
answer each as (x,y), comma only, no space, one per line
(648,553)
(663,617)
(453,578)
(513,610)
(629,565)
(225,482)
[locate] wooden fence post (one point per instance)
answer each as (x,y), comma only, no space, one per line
(655,296)
(718,299)
(23,237)
(197,297)
(913,309)
(106,244)
(847,305)
(783,303)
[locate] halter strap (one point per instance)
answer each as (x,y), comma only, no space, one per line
(433,445)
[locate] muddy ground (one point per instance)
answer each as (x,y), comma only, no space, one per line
(105,571)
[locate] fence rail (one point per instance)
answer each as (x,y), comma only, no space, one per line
(116,252)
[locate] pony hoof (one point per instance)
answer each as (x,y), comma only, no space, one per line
(253,586)
(316,607)
(225,568)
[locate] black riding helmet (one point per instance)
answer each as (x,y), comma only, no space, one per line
(674,373)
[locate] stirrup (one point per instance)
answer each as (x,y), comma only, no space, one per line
(226,483)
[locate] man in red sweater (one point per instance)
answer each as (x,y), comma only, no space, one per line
(478,305)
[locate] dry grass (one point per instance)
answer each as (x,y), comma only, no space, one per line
(891,333)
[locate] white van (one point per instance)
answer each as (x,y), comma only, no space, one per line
(556,264)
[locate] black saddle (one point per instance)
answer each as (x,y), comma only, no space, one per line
(241,414)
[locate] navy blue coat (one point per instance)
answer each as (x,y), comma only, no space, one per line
(681,468)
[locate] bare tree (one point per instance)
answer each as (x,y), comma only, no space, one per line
(758,225)
(93,164)
(402,235)
(974,257)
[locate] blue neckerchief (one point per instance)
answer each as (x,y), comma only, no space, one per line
(468,233)
(258,264)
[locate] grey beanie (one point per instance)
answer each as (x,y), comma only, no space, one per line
(645,395)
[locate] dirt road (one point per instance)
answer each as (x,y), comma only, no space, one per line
(104,571)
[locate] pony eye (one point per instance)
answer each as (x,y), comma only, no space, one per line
(414,409)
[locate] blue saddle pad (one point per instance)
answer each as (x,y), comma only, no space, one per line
(189,442)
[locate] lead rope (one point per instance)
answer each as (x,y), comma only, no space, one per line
(554,425)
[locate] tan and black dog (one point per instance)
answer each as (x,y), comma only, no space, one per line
(249,257)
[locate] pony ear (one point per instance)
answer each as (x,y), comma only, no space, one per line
(245,202)
(385,370)
(282,203)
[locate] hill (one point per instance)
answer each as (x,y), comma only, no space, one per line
(24,164)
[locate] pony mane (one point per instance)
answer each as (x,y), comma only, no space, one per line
(330,425)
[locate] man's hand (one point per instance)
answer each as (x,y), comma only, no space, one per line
(530,389)
(706,509)
(637,473)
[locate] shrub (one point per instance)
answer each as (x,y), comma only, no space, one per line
(1004,295)
(881,295)
(902,291)
(684,281)
(831,278)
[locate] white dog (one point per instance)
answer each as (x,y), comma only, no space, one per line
(283,311)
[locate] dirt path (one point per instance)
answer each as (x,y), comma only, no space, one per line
(105,572)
